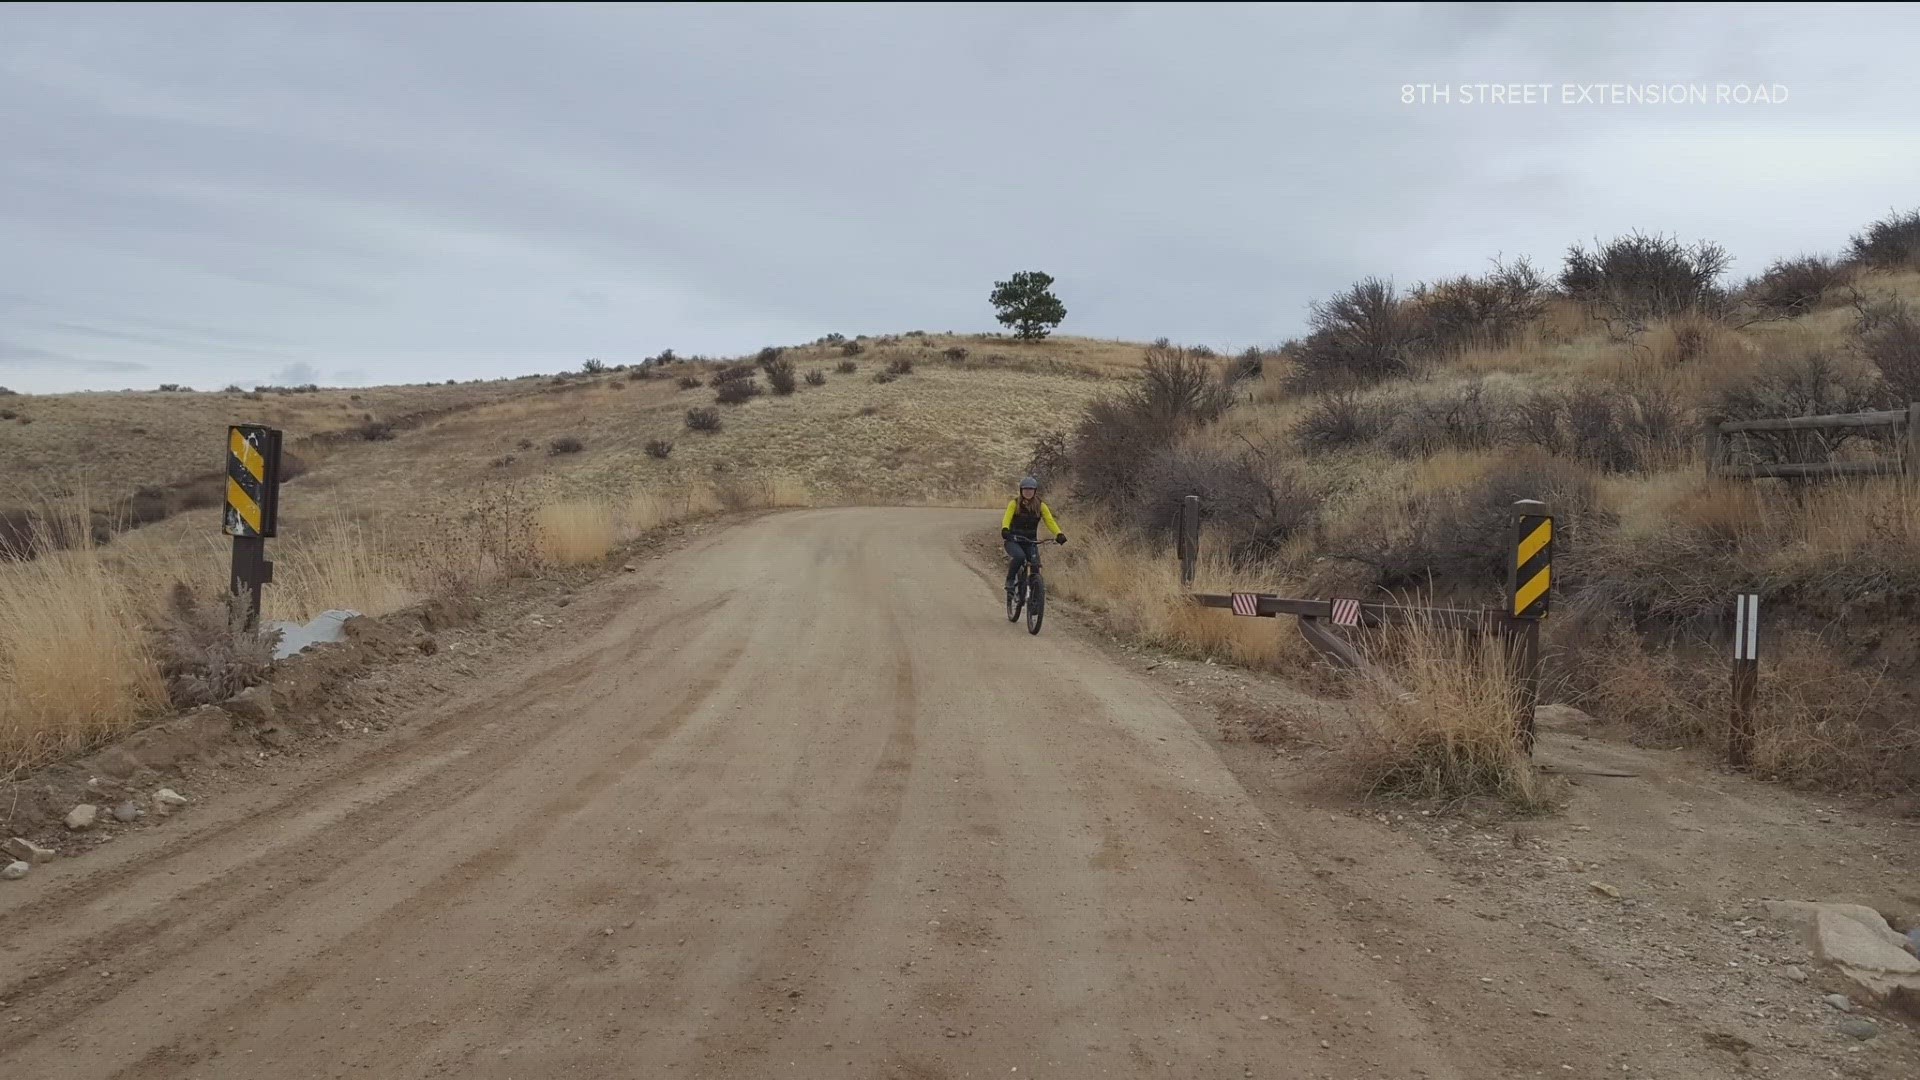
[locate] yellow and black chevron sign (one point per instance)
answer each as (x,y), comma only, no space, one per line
(1532,579)
(253,480)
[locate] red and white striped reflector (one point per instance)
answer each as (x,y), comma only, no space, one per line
(1246,603)
(1346,613)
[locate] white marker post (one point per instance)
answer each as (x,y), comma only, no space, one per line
(1746,678)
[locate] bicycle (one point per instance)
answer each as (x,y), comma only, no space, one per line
(1028,594)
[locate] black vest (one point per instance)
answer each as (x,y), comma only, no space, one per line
(1026,523)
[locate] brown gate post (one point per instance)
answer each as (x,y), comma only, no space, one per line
(1529,594)
(1746,679)
(1910,461)
(1189,539)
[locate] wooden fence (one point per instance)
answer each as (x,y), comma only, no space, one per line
(1723,439)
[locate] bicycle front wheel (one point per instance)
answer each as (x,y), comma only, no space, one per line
(1036,606)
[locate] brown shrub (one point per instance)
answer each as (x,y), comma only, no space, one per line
(780,374)
(1359,337)
(1808,383)
(736,391)
(1793,287)
(1891,242)
(1460,419)
(1339,420)
(1646,275)
(565,444)
(205,651)
(816,377)
(660,448)
(18,534)
(1453,540)
(1246,509)
(1050,459)
(1890,341)
(1487,311)
(707,420)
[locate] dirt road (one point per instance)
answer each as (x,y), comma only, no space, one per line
(796,801)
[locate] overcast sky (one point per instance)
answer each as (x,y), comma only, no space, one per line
(381,194)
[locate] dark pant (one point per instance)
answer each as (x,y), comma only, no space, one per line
(1020,551)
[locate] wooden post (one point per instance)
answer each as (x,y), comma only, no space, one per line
(1746,679)
(1529,658)
(1910,461)
(1189,540)
(251,574)
(1712,448)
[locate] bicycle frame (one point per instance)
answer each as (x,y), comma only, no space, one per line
(1029,588)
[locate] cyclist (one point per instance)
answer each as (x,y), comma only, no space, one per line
(1020,528)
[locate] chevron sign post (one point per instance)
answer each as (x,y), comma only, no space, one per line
(252,513)
(1529,596)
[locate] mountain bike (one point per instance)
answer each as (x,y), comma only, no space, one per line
(1029,590)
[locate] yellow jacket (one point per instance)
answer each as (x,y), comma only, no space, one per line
(1027,524)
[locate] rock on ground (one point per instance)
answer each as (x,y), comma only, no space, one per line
(15,871)
(27,851)
(128,812)
(1561,716)
(82,816)
(1859,944)
(1859,1029)
(255,703)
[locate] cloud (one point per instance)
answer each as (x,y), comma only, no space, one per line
(299,373)
(513,190)
(14,353)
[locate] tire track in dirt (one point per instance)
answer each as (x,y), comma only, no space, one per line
(65,984)
(846,870)
(403,920)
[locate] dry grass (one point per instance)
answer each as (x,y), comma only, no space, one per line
(1137,590)
(577,531)
(1451,736)
(74,662)
(1445,728)
(1820,717)
(347,566)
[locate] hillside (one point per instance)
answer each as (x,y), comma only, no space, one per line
(1379,457)
(406,493)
